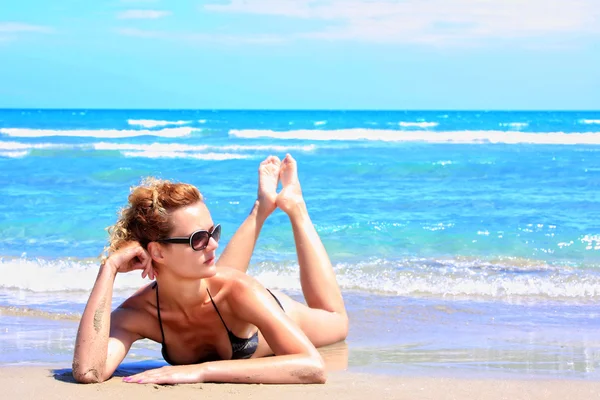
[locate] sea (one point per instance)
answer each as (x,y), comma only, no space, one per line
(465,242)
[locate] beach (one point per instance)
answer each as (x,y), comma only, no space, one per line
(466,244)
(38,382)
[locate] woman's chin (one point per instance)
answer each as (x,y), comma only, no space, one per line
(209,270)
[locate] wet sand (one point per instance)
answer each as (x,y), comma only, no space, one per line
(45,383)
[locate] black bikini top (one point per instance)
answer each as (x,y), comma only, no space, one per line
(240,347)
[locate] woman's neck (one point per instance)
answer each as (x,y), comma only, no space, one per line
(181,294)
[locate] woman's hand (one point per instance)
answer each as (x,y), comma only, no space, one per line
(168,375)
(131,257)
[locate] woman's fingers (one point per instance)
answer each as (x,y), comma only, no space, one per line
(144,262)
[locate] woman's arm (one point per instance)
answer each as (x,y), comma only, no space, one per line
(296,360)
(100,347)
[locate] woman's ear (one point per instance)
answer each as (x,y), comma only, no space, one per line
(155,251)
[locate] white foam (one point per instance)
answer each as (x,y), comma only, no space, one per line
(187,147)
(307,148)
(58,275)
(589,121)
(99,133)
(180,154)
(28,146)
(319,123)
(415,278)
(388,135)
(13,154)
(151,123)
(154,147)
(451,279)
(154,150)
(515,125)
(418,124)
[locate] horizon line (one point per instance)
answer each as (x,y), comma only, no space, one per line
(301,109)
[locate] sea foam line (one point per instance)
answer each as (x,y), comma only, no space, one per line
(97,133)
(180,154)
(188,147)
(418,124)
(589,121)
(18,146)
(39,275)
(516,125)
(153,150)
(151,123)
(13,154)
(388,135)
(415,278)
(28,146)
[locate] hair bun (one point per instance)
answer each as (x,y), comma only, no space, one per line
(146,217)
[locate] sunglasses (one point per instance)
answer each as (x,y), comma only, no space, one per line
(198,240)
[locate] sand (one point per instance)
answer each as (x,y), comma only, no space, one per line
(46,383)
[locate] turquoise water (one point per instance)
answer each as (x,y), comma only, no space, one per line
(493,211)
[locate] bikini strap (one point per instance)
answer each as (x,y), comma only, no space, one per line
(217,310)
(162,332)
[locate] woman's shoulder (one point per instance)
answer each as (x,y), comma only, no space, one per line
(231,278)
(140,299)
(137,310)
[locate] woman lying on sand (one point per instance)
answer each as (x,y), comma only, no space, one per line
(215,323)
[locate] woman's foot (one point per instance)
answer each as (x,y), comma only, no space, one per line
(290,199)
(268,177)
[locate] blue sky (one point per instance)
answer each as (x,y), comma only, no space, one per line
(300,54)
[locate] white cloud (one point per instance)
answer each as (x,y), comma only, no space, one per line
(429,20)
(143,14)
(18,27)
(200,38)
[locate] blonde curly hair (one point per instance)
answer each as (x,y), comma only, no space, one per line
(146,218)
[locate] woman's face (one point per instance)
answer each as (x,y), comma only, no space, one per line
(180,257)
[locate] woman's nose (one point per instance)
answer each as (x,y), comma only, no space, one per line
(212,244)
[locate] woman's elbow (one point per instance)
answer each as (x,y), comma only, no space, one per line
(87,375)
(314,373)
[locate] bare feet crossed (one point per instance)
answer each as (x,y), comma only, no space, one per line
(268,178)
(290,199)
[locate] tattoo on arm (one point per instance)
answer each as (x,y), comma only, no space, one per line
(98,315)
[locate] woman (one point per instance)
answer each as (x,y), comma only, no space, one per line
(215,323)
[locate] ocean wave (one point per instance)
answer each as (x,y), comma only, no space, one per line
(418,124)
(589,121)
(18,146)
(151,123)
(464,137)
(181,154)
(515,125)
(96,133)
(11,146)
(13,154)
(187,147)
(40,275)
(15,311)
(475,279)
(152,150)
(503,279)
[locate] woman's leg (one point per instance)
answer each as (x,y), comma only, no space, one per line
(239,250)
(324,320)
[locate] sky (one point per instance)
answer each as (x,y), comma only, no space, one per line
(301,54)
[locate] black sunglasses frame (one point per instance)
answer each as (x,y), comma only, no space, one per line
(189,240)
